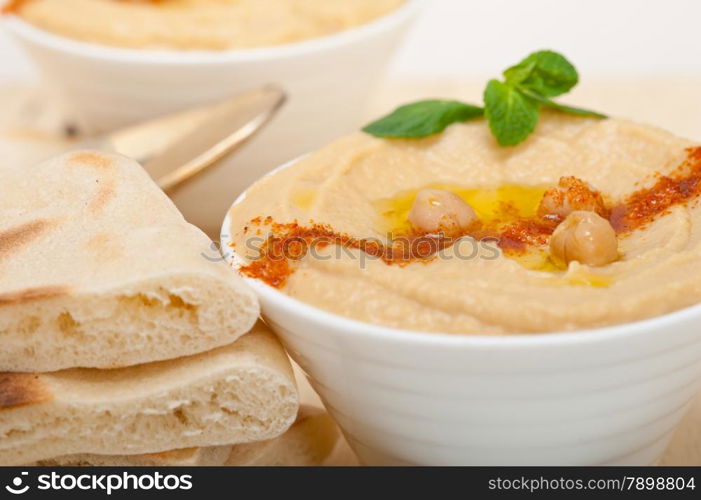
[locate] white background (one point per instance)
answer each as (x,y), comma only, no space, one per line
(459,38)
(463,39)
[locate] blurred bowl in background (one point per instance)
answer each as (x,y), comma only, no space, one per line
(327,79)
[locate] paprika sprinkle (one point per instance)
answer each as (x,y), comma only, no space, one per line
(679,187)
(516,232)
(12,6)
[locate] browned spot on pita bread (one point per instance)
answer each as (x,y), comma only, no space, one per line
(90,158)
(104,247)
(30,294)
(104,194)
(22,389)
(14,238)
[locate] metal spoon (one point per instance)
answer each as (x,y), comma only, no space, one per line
(174,149)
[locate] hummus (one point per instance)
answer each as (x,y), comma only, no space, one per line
(350,184)
(200,24)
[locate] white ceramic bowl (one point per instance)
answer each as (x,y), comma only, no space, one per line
(610,396)
(328,81)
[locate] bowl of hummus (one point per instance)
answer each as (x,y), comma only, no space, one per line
(457,302)
(119,62)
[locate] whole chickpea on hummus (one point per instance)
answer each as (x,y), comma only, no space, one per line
(199,24)
(587,223)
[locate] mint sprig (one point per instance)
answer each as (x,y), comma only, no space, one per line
(423,118)
(572,110)
(512,115)
(512,107)
(545,73)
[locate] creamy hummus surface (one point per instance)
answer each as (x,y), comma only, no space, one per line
(200,24)
(347,185)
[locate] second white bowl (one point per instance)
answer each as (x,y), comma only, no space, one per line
(329,81)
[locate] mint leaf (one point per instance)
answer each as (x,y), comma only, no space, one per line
(423,118)
(512,107)
(545,72)
(512,115)
(563,107)
(516,75)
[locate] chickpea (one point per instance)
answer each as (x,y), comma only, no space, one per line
(571,194)
(585,237)
(436,210)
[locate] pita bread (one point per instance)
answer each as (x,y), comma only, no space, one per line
(188,457)
(99,269)
(240,393)
(22,148)
(308,442)
(32,126)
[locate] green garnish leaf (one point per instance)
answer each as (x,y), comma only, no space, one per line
(512,107)
(571,110)
(545,72)
(512,115)
(423,118)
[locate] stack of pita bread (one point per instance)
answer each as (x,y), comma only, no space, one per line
(126,339)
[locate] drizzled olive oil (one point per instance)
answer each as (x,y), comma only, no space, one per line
(590,279)
(537,259)
(304,198)
(496,208)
